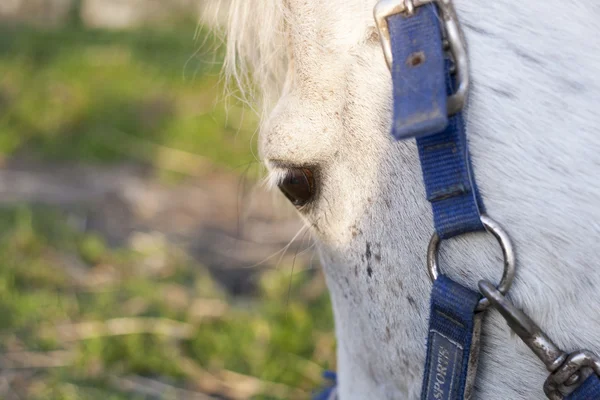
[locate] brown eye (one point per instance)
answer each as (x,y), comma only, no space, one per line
(298,186)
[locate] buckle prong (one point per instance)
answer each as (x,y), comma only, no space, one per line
(410,7)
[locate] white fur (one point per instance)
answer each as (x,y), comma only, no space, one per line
(534,133)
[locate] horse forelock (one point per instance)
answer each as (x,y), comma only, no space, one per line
(255,61)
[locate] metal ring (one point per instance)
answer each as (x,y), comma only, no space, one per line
(507,251)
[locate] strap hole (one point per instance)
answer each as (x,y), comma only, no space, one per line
(416,59)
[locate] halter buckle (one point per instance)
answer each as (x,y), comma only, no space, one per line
(579,366)
(386,8)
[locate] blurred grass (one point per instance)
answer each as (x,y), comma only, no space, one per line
(53,278)
(93,95)
(104,97)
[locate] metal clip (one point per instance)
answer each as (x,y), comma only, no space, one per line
(386,8)
(579,366)
(566,370)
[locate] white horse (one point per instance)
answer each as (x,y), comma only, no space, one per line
(534,129)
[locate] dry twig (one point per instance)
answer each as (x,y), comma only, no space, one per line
(153,388)
(30,359)
(119,327)
(236,386)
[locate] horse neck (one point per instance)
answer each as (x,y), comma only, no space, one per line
(532,127)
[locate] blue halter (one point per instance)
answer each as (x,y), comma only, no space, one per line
(424,87)
(424,48)
(421,90)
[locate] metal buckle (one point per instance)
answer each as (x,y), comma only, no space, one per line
(579,366)
(507,250)
(568,371)
(387,8)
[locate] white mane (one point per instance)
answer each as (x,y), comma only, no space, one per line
(256,54)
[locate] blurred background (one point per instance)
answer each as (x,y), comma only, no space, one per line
(140,257)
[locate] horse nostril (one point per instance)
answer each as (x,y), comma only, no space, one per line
(298,186)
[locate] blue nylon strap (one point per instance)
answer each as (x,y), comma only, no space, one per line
(421,91)
(327,393)
(590,390)
(420,100)
(448,180)
(451,325)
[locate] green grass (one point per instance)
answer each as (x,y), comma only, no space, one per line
(146,96)
(47,276)
(101,96)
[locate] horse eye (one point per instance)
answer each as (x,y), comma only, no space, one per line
(298,186)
